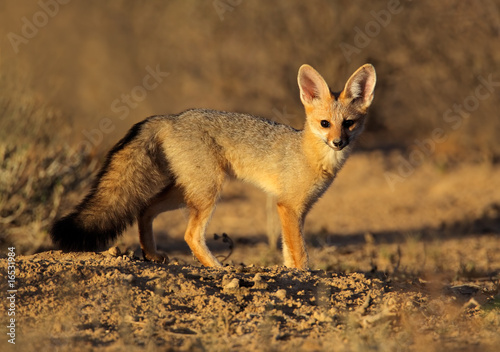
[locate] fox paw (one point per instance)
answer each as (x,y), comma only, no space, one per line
(157,257)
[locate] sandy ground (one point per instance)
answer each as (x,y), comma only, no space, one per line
(414,267)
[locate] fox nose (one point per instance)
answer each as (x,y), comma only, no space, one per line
(338,143)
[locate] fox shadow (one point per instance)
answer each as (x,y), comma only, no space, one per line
(486,224)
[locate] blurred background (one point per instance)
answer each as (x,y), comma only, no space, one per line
(75,75)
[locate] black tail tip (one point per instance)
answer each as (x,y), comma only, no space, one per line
(69,235)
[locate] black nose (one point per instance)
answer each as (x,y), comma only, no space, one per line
(338,143)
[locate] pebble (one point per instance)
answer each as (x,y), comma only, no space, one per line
(232,285)
(258,284)
(114,251)
(129,278)
(175,288)
(281,294)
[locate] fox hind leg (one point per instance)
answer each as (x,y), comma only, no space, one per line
(169,199)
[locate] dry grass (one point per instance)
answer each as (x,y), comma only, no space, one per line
(35,169)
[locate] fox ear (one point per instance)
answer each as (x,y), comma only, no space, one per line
(312,85)
(360,86)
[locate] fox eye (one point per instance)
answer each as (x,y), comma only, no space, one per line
(325,123)
(348,123)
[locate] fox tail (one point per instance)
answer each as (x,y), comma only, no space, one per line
(135,171)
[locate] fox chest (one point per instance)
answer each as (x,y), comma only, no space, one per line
(321,185)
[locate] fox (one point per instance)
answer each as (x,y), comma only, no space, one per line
(167,162)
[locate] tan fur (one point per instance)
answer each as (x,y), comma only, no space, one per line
(194,152)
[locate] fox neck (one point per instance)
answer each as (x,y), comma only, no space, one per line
(325,160)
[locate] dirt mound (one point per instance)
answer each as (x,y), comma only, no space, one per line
(107,301)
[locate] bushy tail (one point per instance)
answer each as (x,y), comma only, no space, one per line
(134,172)
(71,234)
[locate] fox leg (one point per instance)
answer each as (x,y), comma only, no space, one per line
(195,233)
(294,251)
(169,199)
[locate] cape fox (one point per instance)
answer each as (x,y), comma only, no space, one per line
(172,161)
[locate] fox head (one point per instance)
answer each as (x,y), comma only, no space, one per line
(336,118)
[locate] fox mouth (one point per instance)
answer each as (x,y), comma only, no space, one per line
(337,149)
